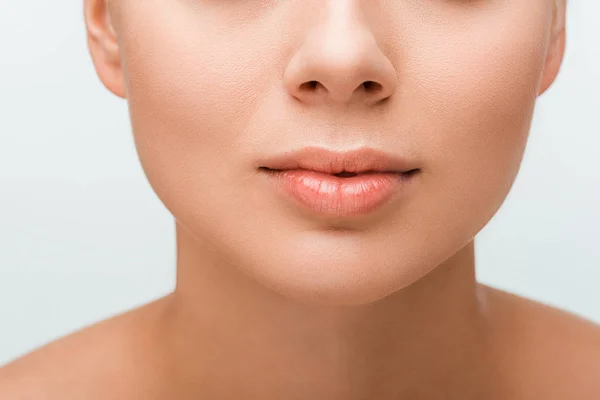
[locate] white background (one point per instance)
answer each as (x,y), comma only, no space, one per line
(83,236)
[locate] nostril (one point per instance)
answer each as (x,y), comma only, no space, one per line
(370,85)
(310,85)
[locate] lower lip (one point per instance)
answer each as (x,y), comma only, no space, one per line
(330,195)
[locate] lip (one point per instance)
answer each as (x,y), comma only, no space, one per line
(320,159)
(308,177)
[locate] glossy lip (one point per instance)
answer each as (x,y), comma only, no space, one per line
(309,176)
(319,159)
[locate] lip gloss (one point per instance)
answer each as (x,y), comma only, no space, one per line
(328,194)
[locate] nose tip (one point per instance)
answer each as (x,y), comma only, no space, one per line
(341,69)
(342,85)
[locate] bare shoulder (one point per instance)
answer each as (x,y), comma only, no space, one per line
(100,361)
(552,353)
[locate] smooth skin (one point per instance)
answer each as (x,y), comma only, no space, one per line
(272,302)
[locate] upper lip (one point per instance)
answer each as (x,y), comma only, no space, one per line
(365,159)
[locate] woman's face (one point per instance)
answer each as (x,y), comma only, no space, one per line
(215,86)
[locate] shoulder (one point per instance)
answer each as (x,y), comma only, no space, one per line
(551,353)
(101,361)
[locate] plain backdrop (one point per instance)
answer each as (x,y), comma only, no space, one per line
(83,236)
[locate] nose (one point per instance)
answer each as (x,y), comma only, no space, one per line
(340,63)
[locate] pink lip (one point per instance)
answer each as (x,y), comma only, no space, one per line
(331,162)
(308,177)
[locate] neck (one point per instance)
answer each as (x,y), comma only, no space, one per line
(227,336)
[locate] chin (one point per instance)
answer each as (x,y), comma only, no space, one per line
(326,270)
(327,280)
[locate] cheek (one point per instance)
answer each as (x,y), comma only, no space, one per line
(476,99)
(191,91)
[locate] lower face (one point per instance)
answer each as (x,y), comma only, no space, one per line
(211,91)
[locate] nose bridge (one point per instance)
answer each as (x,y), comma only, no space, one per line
(340,61)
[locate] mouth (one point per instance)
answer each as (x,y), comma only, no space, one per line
(346,174)
(340,184)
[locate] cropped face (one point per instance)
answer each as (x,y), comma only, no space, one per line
(216,88)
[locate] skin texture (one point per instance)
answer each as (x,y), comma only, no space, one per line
(274,303)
